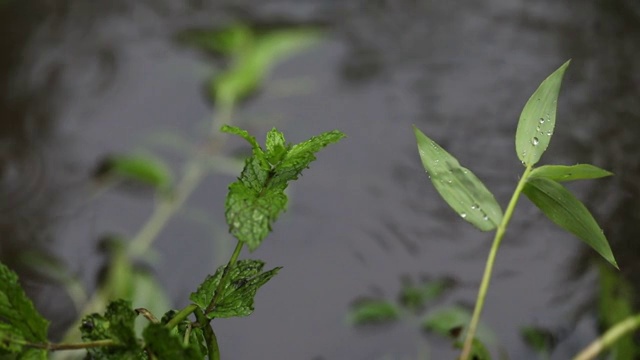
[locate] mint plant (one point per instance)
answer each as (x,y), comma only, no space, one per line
(471,199)
(253,203)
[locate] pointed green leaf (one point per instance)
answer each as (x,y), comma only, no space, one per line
(164,344)
(564,209)
(458,186)
(444,320)
(372,311)
(538,119)
(256,200)
(17,310)
(562,173)
(144,169)
(227,41)
(257,149)
(244,279)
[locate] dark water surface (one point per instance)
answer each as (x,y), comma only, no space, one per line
(79,80)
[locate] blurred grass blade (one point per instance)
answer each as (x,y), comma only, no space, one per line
(372,312)
(568,173)
(458,186)
(538,119)
(564,209)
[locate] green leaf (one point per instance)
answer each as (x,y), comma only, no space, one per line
(539,339)
(538,119)
(562,173)
(444,321)
(561,207)
(458,186)
(18,316)
(116,324)
(236,299)
(372,311)
(163,344)
(256,200)
(227,41)
(11,340)
(144,169)
(415,297)
(478,350)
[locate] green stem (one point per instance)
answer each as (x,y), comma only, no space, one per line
(486,277)
(181,315)
(225,275)
(209,335)
(609,338)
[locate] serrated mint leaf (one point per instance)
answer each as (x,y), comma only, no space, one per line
(116,324)
(566,211)
(11,340)
(17,311)
(236,299)
(372,312)
(196,337)
(257,199)
(163,344)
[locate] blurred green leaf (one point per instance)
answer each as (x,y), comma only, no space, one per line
(538,119)
(478,350)
(256,200)
(163,344)
(144,169)
(117,324)
(562,173)
(445,320)
(458,186)
(243,281)
(227,41)
(565,210)
(541,340)
(372,312)
(415,297)
(19,320)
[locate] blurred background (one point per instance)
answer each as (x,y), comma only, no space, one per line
(80,81)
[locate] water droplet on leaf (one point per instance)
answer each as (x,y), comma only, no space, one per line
(535,141)
(463,215)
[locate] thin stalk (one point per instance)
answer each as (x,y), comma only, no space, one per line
(225,275)
(609,338)
(486,277)
(209,335)
(181,315)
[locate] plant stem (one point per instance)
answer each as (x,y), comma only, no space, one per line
(210,336)
(181,315)
(609,338)
(486,277)
(225,275)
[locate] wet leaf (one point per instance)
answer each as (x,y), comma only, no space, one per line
(458,186)
(256,200)
(562,173)
(538,119)
(564,209)
(236,298)
(372,312)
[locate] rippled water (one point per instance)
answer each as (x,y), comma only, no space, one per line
(81,80)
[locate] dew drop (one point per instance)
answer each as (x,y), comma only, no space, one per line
(535,141)
(449,181)
(549,133)
(485,218)
(463,215)
(475,207)
(541,120)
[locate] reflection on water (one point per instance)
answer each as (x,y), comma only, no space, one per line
(80,80)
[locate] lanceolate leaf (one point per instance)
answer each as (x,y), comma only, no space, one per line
(568,173)
(144,169)
(538,119)
(256,200)
(236,298)
(561,207)
(459,187)
(373,311)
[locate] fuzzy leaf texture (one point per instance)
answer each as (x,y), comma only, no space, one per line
(19,320)
(458,186)
(538,119)
(163,344)
(566,211)
(116,324)
(236,299)
(257,198)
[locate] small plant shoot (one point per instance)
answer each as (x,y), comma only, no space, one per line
(466,194)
